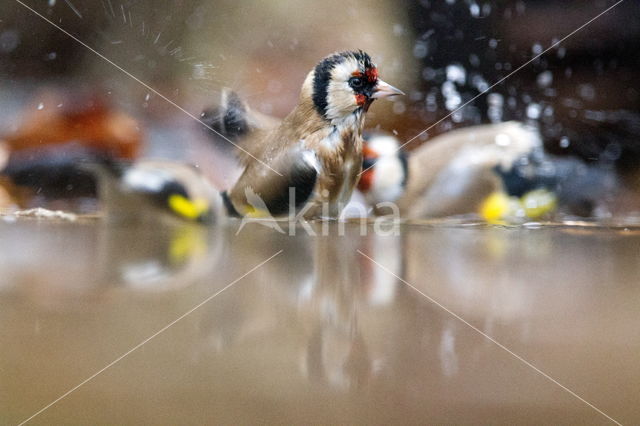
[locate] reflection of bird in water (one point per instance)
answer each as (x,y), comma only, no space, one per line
(311,296)
(337,359)
(157,257)
(499,171)
(97,258)
(338,352)
(251,312)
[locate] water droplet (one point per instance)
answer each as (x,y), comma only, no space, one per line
(536,49)
(474,60)
(587,92)
(399,107)
(548,111)
(562,51)
(479,83)
(428,73)
(420,50)
(564,142)
(431,101)
(9,40)
(495,110)
(533,111)
(456,73)
(40,106)
(427,34)
(451,95)
(545,79)
(474,9)
(416,95)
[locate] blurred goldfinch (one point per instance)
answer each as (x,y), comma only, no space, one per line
(155,189)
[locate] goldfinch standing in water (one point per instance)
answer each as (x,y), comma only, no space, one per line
(316,152)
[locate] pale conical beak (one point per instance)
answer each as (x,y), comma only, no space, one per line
(384,90)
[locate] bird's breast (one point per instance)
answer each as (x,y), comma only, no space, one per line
(341,157)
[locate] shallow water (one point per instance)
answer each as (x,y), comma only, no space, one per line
(324,331)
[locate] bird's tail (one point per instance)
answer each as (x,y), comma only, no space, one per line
(234,121)
(229,118)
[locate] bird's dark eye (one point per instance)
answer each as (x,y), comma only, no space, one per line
(356,82)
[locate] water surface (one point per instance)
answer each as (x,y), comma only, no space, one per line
(336,329)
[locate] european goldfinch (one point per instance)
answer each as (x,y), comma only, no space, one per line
(498,171)
(152,190)
(451,174)
(312,159)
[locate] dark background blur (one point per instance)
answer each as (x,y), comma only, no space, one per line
(583,94)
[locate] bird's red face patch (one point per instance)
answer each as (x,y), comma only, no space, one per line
(366,179)
(368,153)
(363,84)
(371,74)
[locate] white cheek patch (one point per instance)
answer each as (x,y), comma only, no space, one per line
(142,179)
(340,98)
